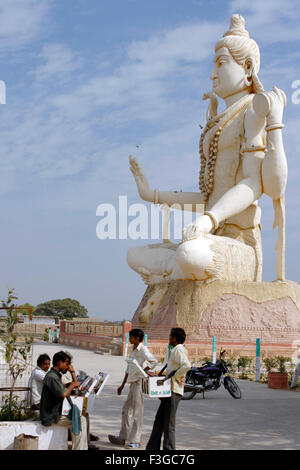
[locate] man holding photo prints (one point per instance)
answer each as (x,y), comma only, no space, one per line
(131,436)
(165,420)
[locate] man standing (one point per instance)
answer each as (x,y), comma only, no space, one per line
(135,399)
(37,379)
(296,375)
(53,394)
(165,419)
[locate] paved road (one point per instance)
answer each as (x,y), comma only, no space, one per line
(262,419)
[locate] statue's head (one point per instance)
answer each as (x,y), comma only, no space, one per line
(236,62)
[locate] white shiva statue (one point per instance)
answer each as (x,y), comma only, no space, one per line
(242,157)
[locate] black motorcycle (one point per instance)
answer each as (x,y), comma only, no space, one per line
(210,376)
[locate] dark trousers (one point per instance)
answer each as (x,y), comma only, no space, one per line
(164,424)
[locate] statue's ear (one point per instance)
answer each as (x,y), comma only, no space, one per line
(249,69)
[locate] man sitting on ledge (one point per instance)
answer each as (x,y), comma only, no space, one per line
(53,394)
(36,380)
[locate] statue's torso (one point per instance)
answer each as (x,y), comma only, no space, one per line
(228,171)
(228,167)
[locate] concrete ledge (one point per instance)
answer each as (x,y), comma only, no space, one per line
(50,438)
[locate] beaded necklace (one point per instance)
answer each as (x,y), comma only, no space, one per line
(206,182)
(206,185)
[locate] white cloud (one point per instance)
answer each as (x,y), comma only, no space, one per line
(58,62)
(270,21)
(57,135)
(144,86)
(21,21)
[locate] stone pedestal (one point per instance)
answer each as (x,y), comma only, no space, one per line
(235,312)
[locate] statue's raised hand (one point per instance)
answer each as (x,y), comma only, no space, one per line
(146,193)
(213,105)
(202,225)
(270,105)
(278,102)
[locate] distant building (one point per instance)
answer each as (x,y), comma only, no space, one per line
(38,320)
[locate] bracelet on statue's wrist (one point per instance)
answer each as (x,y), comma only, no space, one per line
(213,219)
(272,127)
(254,148)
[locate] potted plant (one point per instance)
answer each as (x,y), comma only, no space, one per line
(277,379)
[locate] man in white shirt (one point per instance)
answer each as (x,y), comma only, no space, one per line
(36,380)
(296,375)
(131,436)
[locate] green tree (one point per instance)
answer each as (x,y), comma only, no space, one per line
(62,308)
(25,311)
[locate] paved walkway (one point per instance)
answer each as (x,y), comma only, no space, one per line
(262,419)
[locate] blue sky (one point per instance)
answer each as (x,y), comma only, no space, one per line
(88,80)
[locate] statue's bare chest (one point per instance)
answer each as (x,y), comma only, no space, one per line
(220,153)
(229,138)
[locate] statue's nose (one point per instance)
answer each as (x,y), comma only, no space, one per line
(213,74)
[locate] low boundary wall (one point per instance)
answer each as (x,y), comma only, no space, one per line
(94,335)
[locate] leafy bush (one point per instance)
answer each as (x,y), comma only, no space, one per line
(232,363)
(263,378)
(14,409)
(243,364)
(205,359)
(277,363)
(281,363)
(46,337)
(270,363)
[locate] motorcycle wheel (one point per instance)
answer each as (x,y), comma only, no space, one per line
(188,394)
(232,387)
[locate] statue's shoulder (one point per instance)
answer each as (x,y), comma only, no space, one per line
(249,105)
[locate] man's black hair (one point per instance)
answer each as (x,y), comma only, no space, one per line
(69,356)
(137,333)
(59,356)
(179,334)
(42,358)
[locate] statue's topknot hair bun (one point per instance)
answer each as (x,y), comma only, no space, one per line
(237,27)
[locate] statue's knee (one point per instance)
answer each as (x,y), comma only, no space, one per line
(185,256)
(133,257)
(194,254)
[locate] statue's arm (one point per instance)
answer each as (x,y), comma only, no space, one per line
(274,169)
(187,201)
(184,200)
(262,172)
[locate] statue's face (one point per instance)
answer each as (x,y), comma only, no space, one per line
(227,75)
